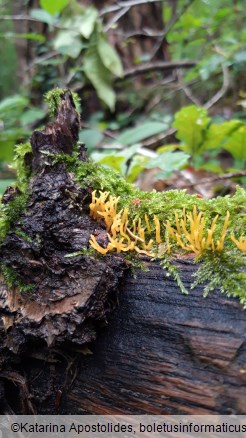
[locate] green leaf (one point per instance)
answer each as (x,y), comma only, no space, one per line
(31,116)
(191,123)
(113,161)
(168,162)
(216,135)
(27,36)
(167,147)
(53,6)
(141,132)
(138,164)
(12,103)
(166,13)
(6,150)
(87,21)
(4,183)
(43,16)
(236,144)
(240,56)
(109,56)
(83,23)
(99,76)
(68,43)
(91,137)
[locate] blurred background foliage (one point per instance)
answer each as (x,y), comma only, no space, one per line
(161,82)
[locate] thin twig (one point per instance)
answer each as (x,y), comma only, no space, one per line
(187,90)
(222,91)
(161,65)
(217,178)
(151,142)
(169,27)
(116,17)
(18,18)
(126,4)
(146,32)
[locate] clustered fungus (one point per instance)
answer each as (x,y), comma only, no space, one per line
(197,239)
(144,236)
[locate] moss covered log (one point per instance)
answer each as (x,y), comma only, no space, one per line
(56,286)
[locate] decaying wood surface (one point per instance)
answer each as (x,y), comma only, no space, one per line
(69,294)
(158,352)
(161,353)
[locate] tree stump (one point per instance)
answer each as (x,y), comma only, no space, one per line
(160,352)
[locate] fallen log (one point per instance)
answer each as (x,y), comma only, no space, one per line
(161,352)
(157,351)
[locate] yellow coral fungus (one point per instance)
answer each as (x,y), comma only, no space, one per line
(122,236)
(240,243)
(125,234)
(194,239)
(99,207)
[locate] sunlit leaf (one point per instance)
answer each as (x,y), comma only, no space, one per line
(167,147)
(90,137)
(31,116)
(68,43)
(53,6)
(87,21)
(43,16)
(236,143)
(109,56)
(4,183)
(113,161)
(27,36)
(99,76)
(216,135)
(191,123)
(168,162)
(83,23)
(13,102)
(141,132)
(138,164)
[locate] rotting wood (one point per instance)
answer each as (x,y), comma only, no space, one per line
(70,294)
(161,353)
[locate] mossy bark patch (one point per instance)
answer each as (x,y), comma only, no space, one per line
(61,297)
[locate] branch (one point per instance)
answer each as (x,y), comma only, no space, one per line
(116,17)
(18,18)
(162,65)
(217,178)
(222,91)
(169,27)
(126,4)
(187,90)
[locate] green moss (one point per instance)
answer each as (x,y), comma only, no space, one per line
(53,99)
(223,270)
(23,235)
(22,168)
(12,279)
(10,213)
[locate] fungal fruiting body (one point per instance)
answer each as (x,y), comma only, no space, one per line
(148,236)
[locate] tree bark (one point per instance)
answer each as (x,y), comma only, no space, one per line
(161,353)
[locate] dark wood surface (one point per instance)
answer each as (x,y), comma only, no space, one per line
(166,353)
(161,353)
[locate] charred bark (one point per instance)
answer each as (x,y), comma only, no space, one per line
(68,294)
(161,353)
